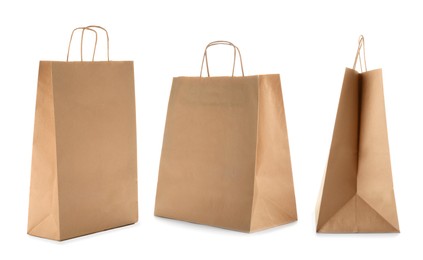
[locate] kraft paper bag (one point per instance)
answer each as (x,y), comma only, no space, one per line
(225,159)
(357,193)
(84,161)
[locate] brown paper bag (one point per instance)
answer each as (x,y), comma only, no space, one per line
(357,193)
(225,158)
(84,162)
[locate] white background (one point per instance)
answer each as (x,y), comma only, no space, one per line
(308,42)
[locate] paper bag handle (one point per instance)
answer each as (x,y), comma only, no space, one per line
(90,28)
(82,39)
(358,56)
(221,43)
(107,36)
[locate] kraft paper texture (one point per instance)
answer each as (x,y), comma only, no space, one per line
(225,158)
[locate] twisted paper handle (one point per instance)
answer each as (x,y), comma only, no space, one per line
(358,56)
(221,43)
(90,28)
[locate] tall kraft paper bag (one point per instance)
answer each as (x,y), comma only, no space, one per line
(225,158)
(84,161)
(357,194)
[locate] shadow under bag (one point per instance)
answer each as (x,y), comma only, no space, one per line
(225,159)
(84,160)
(357,193)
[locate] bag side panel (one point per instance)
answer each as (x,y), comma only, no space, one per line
(43,216)
(274,196)
(340,182)
(374,180)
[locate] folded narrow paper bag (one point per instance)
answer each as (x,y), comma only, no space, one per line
(357,193)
